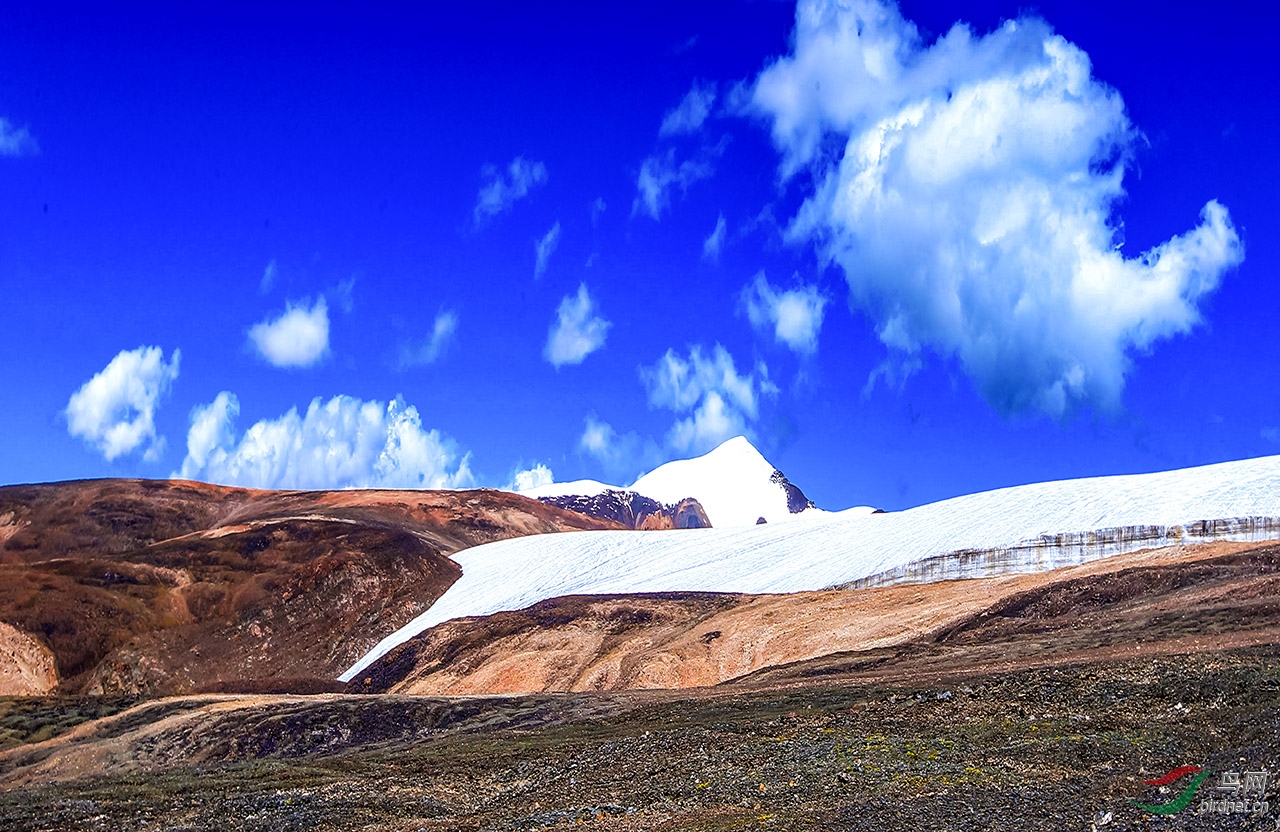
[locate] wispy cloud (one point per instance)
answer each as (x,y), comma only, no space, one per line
(661,172)
(689,115)
(577,331)
(598,207)
(623,456)
(115,410)
(543,248)
(269,275)
(16,141)
(715,241)
(792,316)
(429,349)
(970,205)
(503,189)
(715,401)
(297,338)
(342,443)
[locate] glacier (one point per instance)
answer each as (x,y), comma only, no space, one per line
(1017,529)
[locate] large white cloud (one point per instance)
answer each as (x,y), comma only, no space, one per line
(115,410)
(577,331)
(342,443)
(501,189)
(298,338)
(970,202)
(429,349)
(16,141)
(792,316)
(714,401)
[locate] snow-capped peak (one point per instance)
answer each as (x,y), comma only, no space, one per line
(734,483)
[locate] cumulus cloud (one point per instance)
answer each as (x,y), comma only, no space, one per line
(661,172)
(712,245)
(543,248)
(342,443)
(970,202)
(298,338)
(535,477)
(16,141)
(691,112)
(577,331)
(793,317)
(426,351)
(715,401)
(502,189)
(115,410)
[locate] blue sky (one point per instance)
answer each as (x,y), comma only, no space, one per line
(384,247)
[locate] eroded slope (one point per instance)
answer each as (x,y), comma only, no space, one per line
(169,587)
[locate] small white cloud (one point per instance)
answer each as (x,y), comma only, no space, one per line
(341,443)
(115,410)
(712,245)
(970,202)
(269,275)
(597,437)
(623,456)
(717,403)
(1272,435)
(426,351)
(535,477)
(577,331)
(501,191)
(298,338)
(16,141)
(660,173)
(544,248)
(794,317)
(691,112)
(598,208)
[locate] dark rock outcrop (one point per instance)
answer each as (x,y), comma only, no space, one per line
(796,501)
(634,510)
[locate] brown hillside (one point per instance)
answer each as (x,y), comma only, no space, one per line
(172,587)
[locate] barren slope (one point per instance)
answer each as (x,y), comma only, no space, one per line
(1046,709)
(167,587)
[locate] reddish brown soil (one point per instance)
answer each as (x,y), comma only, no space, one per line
(174,587)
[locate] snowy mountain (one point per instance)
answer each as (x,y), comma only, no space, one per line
(734,483)
(1021,529)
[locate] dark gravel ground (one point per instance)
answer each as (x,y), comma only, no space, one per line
(1052,748)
